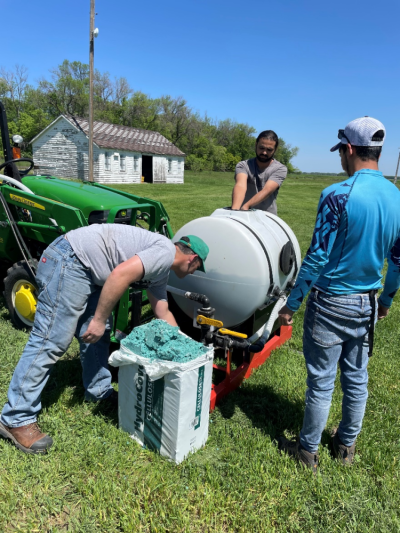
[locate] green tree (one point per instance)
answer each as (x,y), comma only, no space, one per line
(237,138)
(12,86)
(68,92)
(175,118)
(285,154)
(140,111)
(209,145)
(29,125)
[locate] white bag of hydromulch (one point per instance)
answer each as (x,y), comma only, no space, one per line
(163,404)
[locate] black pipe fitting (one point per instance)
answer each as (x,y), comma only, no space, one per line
(201,298)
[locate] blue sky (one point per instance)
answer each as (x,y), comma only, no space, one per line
(301,68)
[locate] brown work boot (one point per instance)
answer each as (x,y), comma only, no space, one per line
(28,439)
(295,450)
(345,454)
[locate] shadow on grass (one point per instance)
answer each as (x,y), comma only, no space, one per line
(267,410)
(67,374)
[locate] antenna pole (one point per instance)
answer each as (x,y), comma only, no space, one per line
(91,62)
(397,169)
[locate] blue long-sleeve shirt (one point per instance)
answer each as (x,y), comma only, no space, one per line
(358,225)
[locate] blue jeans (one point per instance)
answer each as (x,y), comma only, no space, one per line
(66,304)
(335,331)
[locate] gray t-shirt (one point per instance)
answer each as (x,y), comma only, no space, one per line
(256,181)
(102,247)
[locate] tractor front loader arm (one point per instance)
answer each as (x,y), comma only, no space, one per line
(159,219)
(38,218)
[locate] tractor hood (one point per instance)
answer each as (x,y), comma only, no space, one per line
(85,196)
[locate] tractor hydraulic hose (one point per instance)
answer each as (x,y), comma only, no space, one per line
(18,237)
(17,184)
(265,331)
(201,298)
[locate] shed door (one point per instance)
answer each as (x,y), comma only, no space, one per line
(159,170)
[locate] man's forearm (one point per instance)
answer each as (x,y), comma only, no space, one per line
(111,293)
(238,194)
(260,196)
(169,317)
(116,284)
(392,280)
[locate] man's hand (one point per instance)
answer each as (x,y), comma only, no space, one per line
(94,331)
(160,309)
(382,311)
(285,316)
(244,207)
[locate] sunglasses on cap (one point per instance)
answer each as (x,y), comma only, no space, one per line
(341,135)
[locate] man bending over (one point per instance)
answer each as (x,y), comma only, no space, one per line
(81,277)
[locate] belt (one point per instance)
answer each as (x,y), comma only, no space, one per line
(314,289)
(371,329)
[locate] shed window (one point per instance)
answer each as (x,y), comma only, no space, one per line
(122,163)
(136,163)
(107,165)
(116,157)
(169,165)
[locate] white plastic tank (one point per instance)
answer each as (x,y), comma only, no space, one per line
(253,256)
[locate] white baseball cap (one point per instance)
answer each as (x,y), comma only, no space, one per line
(359,132)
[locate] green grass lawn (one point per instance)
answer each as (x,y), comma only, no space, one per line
(96,479)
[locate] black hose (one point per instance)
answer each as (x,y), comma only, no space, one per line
(201,298)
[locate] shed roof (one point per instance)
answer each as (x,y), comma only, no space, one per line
(126,138)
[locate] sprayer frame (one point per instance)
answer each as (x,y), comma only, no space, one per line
(233,379)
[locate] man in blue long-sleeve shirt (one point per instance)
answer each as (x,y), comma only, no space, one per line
(358,225)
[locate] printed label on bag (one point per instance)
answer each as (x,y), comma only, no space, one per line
(199,396)
(153,413)
(140,380)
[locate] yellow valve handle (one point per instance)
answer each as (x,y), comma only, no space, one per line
(225,331)
(209,321)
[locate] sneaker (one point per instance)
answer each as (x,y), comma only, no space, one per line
(345,454)
(295,450)
(28,439)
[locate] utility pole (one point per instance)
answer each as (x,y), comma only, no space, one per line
(397,168)
(91,61)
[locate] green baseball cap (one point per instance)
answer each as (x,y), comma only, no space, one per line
(199,247)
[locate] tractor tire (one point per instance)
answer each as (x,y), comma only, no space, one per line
(20,294)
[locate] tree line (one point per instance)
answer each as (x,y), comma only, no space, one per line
(209,144)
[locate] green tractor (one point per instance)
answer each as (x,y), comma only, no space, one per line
(34,210)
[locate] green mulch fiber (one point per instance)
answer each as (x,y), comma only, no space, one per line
(159,340)
(97,479)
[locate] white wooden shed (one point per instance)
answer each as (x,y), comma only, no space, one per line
(121,154)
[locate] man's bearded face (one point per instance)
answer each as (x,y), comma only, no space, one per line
(265,150)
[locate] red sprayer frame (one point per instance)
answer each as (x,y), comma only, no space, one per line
(234,378)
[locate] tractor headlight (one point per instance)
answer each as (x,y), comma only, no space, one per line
(123,216)
(98,217)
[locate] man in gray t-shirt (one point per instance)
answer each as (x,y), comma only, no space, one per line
(81,276)
(258,179)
